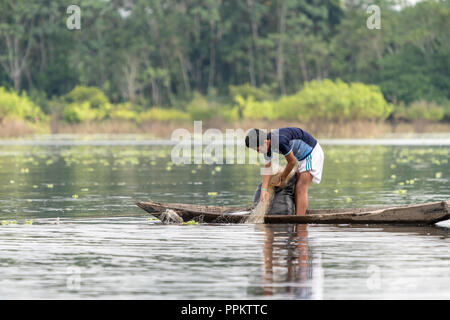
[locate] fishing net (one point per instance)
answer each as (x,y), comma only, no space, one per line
(281,199)
(170,216)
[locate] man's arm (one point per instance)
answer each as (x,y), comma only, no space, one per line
(291,162)
(267,174)
(265,181)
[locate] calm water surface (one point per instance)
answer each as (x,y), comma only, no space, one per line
(105,247)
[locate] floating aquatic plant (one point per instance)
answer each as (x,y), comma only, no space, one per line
(190,222)
(7,222)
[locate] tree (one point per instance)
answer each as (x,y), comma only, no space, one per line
(17,25)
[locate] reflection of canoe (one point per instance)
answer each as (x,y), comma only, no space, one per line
(426,213)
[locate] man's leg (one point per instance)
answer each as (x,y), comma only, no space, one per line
(301,192)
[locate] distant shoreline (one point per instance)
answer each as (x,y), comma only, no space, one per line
(164,129)
(130,140)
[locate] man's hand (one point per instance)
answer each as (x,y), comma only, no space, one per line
(278,182)
(264,195)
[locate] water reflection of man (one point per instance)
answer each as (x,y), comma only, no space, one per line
(286,246)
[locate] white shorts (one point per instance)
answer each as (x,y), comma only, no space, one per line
(313,164)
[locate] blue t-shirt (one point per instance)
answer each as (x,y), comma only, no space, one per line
(285,140)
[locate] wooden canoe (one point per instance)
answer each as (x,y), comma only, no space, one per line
(417,214)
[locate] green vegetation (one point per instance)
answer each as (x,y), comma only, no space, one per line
(86,104)
(164,114)
(199,108)
(318,100)
(191,223)
(182,60)
(13,105)
(124,111)
(421,110)
(326,100)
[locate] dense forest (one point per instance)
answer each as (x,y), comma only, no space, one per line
(253,57)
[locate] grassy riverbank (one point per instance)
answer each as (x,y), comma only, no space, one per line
(324,108)
(164,129)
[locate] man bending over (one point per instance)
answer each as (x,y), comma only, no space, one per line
(296,145)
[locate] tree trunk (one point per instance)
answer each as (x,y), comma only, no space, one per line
(155,92)
(251,66)
(15,63)
(280,50)
(130,72)
(212,54)
(184,73)
(198,61)
(43,52)
(254,48)
(301,59)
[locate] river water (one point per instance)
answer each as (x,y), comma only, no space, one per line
(70,228)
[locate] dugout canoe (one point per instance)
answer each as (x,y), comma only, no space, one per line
(416,214)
